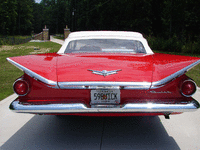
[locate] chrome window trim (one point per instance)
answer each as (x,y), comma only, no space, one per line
(33,74)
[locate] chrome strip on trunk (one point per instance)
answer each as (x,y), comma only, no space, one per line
(81,108)
(104,85)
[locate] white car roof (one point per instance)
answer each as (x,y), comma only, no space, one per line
(105,35)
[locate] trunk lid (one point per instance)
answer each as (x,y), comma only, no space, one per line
(78,67)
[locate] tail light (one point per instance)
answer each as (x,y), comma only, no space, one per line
(188,88)
(21,87)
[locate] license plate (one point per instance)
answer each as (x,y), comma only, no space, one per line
(105,96)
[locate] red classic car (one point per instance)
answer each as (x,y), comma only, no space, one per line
(104,73)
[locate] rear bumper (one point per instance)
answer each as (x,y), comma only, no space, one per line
(18,107)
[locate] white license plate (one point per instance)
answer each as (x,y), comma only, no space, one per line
(105,96)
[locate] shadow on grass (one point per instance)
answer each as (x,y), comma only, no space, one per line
(68,132)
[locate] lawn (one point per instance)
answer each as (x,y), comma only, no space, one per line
(9,72)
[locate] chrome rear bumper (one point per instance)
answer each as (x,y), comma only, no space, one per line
(127,108)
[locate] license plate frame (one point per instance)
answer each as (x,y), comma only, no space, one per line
(105,96)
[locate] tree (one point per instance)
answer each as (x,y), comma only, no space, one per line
(192,20)
(8,14)
(37,18)
(25,17)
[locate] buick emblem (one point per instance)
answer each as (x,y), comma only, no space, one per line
(104,72)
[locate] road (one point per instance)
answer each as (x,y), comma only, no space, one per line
(27,132)
(52,39)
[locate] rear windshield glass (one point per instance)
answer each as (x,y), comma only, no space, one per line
(105,45)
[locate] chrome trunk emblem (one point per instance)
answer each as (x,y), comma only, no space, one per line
(105,72)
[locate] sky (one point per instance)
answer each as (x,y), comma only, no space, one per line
(37,1)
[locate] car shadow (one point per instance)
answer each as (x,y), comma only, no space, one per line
(136,133)
(73,132)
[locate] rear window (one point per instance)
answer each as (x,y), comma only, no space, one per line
(105,46)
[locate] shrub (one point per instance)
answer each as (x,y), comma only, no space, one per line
(1,42)
(15,40)
(166,45)
(192,47)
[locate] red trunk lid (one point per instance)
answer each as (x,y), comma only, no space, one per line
(75,67)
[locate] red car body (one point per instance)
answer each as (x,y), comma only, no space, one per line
(64,83)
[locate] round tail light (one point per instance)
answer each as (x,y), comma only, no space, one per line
(188,88)
(21,87)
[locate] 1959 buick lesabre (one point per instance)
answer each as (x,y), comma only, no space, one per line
(104,73)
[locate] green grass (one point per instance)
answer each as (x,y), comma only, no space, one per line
(194,73)
(9,72)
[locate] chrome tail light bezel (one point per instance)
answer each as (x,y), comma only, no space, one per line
(194,90)
(28,88)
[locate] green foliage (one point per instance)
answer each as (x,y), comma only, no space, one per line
(8,16)
(37,17)
(113,15)
(14,40)
(55,14)
(25,17)
(192,47)
(167,45)
(173,45)
(16,17)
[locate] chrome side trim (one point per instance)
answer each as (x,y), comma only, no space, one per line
(104,85)
(81,108)
(52,84)
(162,82)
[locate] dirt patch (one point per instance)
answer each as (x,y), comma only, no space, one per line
(7,48)
(30,47)
(39,51)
